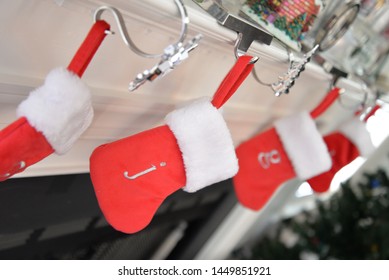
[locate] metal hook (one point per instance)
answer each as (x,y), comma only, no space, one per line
(287,80)
(338,73)
(359,107)
(290,61)
(126,37)
(238,52)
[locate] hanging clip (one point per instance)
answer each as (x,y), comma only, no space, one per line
(287,80)
(173,56)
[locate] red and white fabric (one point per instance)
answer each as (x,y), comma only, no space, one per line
(293,148)
(350,141)
(54,115)
(134,175)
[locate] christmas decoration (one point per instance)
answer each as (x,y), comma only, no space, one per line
(287,80)
(288,20)
(277,155)
(255,185)
(173,56)
(192,151)
(54,115)
(351,225)
(350,141)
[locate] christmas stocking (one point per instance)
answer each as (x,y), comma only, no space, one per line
(134,175)
(54,115)
(349,142)
(293,148)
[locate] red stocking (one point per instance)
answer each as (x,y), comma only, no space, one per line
(350,141)
(134,175)
(292,149)
(54,115)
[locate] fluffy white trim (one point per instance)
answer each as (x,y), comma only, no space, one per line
(356,132)
(304,145)
(61,109)
(205,143)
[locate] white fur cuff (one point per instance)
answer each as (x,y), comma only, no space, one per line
(61,109)
(304,145)
(205,143)
(357,133)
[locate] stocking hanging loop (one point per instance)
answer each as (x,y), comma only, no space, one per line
(328,100)
(124,32)
(233,80)
(371,113)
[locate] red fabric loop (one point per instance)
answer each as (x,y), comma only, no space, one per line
(372,112)
(233,80)
(88,48)
(325,103)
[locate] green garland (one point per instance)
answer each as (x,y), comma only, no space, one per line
(350,225)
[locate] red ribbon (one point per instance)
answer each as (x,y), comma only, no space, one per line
(325,103)
(233,80)
(88,48)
